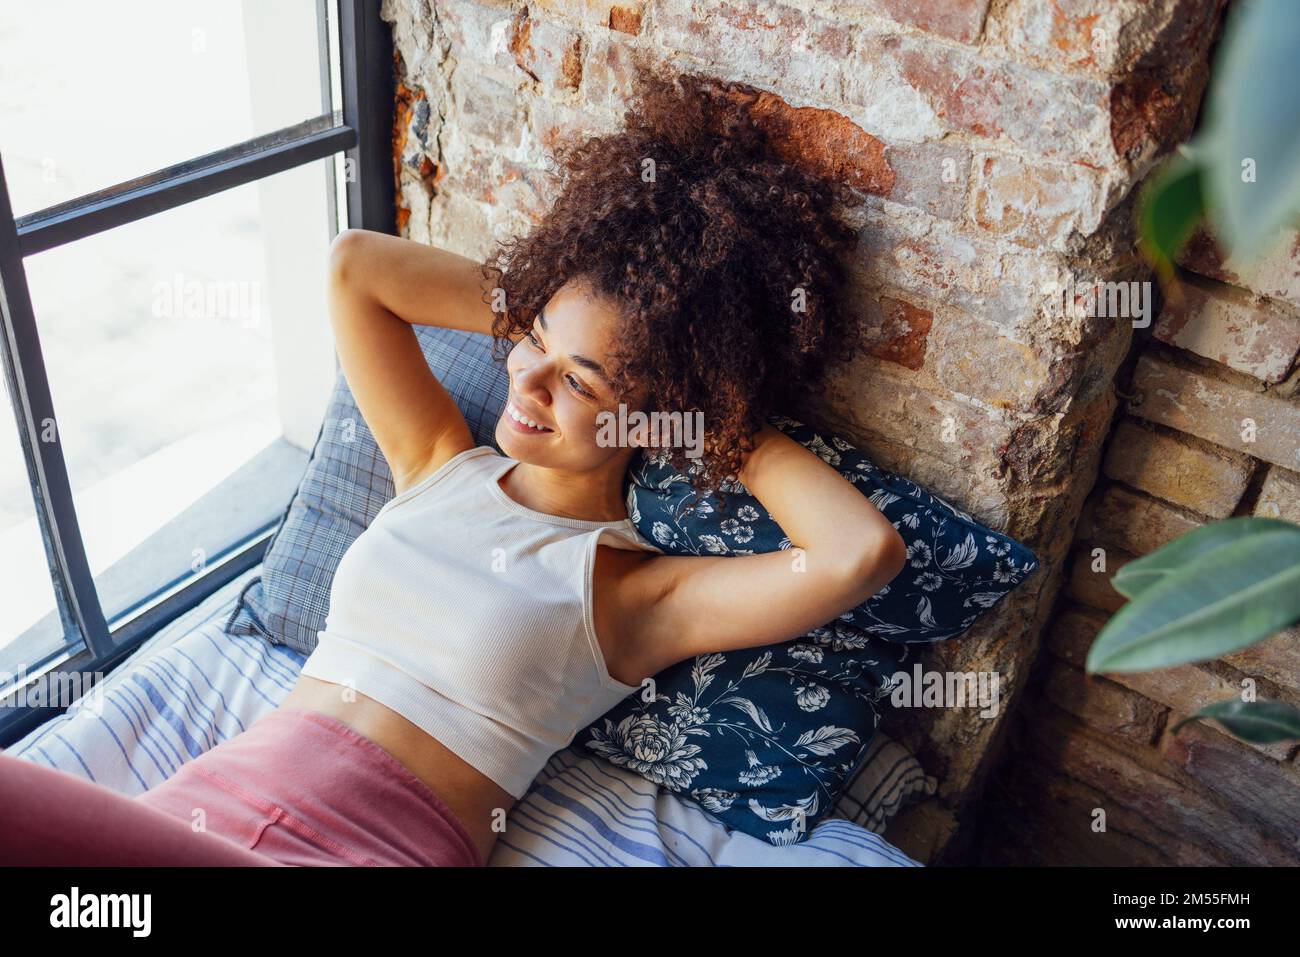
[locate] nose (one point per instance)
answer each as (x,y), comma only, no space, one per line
(529,379)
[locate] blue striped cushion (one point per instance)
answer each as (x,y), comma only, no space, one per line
(193,686)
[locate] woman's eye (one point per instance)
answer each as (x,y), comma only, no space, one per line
(573,383)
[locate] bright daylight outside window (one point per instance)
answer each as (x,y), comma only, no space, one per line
(187,353)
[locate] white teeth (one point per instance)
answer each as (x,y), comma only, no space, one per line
(519,417)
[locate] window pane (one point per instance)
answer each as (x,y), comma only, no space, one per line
(93,94)
(28,609)
(182,418)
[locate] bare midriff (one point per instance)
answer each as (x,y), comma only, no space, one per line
(470,794)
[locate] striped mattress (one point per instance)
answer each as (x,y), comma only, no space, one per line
(193,685)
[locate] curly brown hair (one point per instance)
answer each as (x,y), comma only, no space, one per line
(728,264)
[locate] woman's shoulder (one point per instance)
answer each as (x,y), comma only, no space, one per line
(439,468)
(444,460)
(619,566)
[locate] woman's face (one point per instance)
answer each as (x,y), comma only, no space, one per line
(557,379)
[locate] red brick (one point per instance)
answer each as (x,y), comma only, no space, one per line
(625,19)
(1274,273)
(1255,786)
(902,332)
(1052,116)
(548,53)
(1102,704)
(959,19)
(1093,588)
(1232,327)
(1036,203)
(1209,481)
(1152,110)
(1134,522)
(1216,410)
(826,142)
(1279,497)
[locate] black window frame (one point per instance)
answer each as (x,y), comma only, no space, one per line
(363,134)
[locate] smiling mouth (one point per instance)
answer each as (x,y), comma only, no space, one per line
(525,424)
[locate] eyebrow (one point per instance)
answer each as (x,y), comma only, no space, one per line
(583,361)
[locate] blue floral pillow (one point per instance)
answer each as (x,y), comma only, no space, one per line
(764,738)
(957,569)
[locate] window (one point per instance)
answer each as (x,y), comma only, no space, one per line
(166,347)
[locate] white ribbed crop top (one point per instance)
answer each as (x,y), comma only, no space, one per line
(470,615)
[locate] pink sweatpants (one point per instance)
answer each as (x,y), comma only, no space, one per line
(296,788)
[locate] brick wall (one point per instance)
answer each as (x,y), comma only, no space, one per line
(998,142)
(1210,429)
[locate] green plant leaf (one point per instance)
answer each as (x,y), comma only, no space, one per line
(1223,600)
(1140,574)
(1170,207)
(1252,115)
(1259,722)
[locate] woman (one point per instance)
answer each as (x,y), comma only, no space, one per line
(500,603)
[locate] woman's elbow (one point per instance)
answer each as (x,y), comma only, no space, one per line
(882,561)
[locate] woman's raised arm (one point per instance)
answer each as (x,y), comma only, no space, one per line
(422,285)
(413,418)
(843,552)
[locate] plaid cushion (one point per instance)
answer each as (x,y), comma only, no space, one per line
(346,483)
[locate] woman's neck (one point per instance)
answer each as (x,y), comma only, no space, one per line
(585,496)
